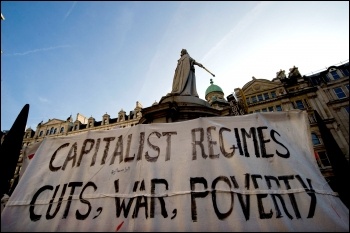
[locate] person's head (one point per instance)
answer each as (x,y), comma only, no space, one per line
(183,51)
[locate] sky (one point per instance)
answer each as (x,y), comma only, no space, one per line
(97,57)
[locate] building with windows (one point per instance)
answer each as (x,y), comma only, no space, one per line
(56,127)
(326,92)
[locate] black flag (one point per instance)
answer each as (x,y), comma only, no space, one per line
(338,161)
(10,149)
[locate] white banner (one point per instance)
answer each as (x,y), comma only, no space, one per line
(244,173)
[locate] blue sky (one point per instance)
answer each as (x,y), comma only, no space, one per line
(95,57)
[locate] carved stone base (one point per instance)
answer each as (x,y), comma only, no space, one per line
(177,108)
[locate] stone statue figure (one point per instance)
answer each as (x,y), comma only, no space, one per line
(281,74)
(184,82)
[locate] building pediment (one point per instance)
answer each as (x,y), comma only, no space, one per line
(53,122)
(259,85)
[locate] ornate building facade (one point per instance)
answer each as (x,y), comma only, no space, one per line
(56,127)
(326,92)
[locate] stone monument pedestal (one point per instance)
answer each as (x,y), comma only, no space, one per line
(176,108)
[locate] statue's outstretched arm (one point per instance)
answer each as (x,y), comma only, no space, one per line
(198,64)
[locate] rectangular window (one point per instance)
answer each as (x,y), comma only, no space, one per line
(273,94)
(264,110)
(322,159)
(266,96)
(270,109)
(315,139)
(347,86)
(346,109)
(326,77)
(346,72)
(278,108)
(258,110)
(307,103)
(335,75)
(247,100)
(299,104)
(339,92)
(254,99)
(312,118)
(260,98)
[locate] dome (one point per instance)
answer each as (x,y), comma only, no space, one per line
(213,88)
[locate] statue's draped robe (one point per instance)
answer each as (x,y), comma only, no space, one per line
(184,82)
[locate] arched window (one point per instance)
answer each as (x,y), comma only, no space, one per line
(62,130)
(315,139)
(41,133)
(52,130)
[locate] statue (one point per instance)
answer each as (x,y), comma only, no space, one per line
(281,74)
(294,72)
(184,82)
